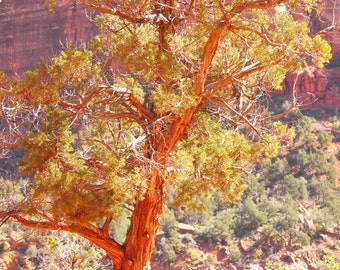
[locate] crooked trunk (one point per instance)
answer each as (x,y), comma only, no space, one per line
(147,213)
(144,224)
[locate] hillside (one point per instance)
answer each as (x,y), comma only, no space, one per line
(289,217)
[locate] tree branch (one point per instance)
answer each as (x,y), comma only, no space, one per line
(280,115)
(141,109)
(97,236)
(227,106)
(116,12)
(259,4)
(106,225)
(209,53)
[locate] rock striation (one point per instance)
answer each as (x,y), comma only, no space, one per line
(30,33)
(315,88)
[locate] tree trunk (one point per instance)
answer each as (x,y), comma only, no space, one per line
(144,224)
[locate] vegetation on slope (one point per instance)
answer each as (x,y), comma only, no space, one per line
(290,211)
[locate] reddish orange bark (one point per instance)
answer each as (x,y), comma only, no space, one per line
(144,225)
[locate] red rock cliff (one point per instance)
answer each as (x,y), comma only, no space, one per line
(30,33)
(315,87)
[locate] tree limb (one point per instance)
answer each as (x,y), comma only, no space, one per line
(106,225)
(97,236)
(209,53)
(227,106)
(116,12)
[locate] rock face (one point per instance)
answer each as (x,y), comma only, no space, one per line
(31,33)
(316,88)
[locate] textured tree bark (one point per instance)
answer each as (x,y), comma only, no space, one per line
(145,222)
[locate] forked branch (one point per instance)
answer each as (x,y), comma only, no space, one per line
(228,107)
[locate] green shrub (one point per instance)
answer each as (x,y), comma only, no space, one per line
(296,187)
(168,253)
(324,139)
(234,252)
(249,217)
(220,228)
(329,262)
(193,253)
(275,266)
(210,260)
(302,238)
(31,251)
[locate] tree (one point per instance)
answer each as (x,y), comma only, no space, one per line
(169,95)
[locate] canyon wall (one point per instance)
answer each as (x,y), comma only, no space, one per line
(30,33)
(315,87)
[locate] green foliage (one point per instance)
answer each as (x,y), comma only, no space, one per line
(312,163)
(168,253)
(295,187)
(210,158)
(169,225)
(302,238)
(249,217)
(234,252)
(67,251)
(303,128)
(275,266)
(4,246)
(275,169)
(31,251)
(119,226)
(192,253)
(60,175)
(279,191)
(169,241)
(258,253)
(329,262)
(220,227)
(332,203)
(324,138)
(289,215)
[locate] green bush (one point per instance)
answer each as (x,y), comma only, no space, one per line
(193,253)
(249,217)
(168,253)
(302,238)
(329,262)
(296,187)
(31,251)
(324,138)
(234,252)
(220,228)
(210,260)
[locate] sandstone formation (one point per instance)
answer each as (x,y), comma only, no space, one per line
(316,88)
(30,33)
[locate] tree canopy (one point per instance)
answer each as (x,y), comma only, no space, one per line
(169,96)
